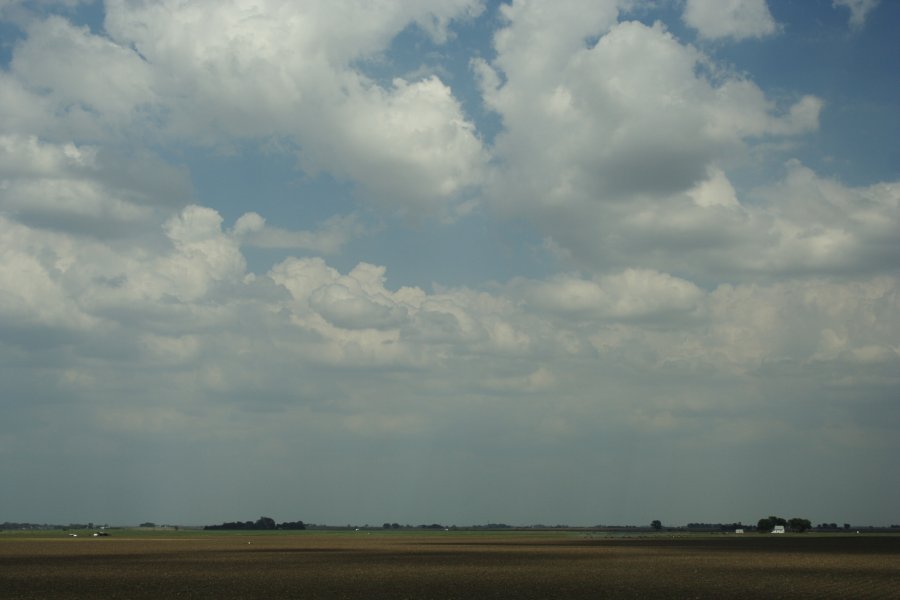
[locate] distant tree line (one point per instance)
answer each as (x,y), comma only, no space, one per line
(765,525)
(718,526)
(47,526)
(261,524)
(36,526)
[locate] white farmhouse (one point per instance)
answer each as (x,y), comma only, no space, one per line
(778,529)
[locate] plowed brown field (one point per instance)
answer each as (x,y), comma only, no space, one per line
(451,565)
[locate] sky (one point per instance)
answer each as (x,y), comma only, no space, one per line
(449,261)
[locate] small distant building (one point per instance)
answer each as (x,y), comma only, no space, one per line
(739,531)
(778,529)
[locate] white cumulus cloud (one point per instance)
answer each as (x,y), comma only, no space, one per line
(737,19)
(615,152)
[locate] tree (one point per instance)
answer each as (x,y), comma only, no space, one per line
(656,524)
(799,525)
(264,523)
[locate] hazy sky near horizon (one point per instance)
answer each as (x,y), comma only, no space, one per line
(581,262)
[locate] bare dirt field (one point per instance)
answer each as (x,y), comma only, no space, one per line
(445,565)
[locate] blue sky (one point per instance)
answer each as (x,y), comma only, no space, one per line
(452,261)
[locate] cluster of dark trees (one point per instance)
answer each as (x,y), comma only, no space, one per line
(261,524)
(796,524)
(835,526)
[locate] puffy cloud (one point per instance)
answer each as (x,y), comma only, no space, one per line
(616,159)
(257,31)
(742,110)
(802,225)
(737,19)
(815,224)
(716,190)
(632,294)
(94,86)
(191,303)
(859,10)
(358,319)
(74,276)
(350,309)
(157,281)
(601,147)
(32,299)
(202,253)
(21,111)
(26,156)
(85,188)
(630,115)
(358,301)
(210,73)
(410,145)
(259,70)
(805,321)
(538,39)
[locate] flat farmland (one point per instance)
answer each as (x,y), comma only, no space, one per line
(444,565)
